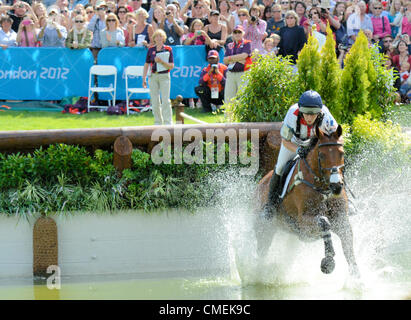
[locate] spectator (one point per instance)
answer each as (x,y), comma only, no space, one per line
(395,12)
(226,17)
(65,19)
(381,25)
(266,14)
(53,34)
(160,60)
(27,34)
(96,25)
(243,16)
(79,36)
(18,12)
(7,35)
(136,4)
(314,18)
(285,6)
(111,7)
(197,36)
(89,11)
(121,14)
(388,47)
(358,21)
(212,82)
(198,11)
(404,76)
(403,21)
(276,22)
(40,11)
(402,56)
(238,5)
(270,45)
(238,59)
(112,35)
(300,9)
(341,36)
(172,25)
(254,29)
(326,17)
(292,37)
(216,31)
(141,33)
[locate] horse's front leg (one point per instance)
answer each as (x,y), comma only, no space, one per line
(342,228)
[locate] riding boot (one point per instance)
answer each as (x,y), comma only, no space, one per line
(273,197)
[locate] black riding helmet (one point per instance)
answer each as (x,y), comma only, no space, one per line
(310,102)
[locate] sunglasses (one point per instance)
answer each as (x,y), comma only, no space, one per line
(111,20)
(122,12)
(79,21)
(237,32)
(276,11)
(242,15)
(20,6)
(101,9)
(284,2)
(88,12)
(239,5)
(379,8)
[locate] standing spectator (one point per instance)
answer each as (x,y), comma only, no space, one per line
(121,14)
(276,22)
(172,25)
(96,25)
(395,11)
(300,9)
(381,25)
(404,76)
(160,60)
(327,17)
(7,35)
(314,18)
(112,35)
(357,21)
(292,37)
(341,36)
(212,82)
(403,21)
(27,34)
(18,12)
(402,56)
(254,29)
(79,36)
(65,19)
(136,4)
(226,17)
(238,59)
(141,33)
(285,6)
(111,7)
(53,34)
(41,13)
(89,11)
(198,11)
(238,5)
(216,30)
(197,36)
(243,16)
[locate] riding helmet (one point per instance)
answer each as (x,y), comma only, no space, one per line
(310,102)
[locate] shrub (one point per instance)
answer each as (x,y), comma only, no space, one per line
(269,91)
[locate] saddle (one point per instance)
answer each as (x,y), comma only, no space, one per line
(284,181)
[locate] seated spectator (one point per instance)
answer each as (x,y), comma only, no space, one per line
(276,22)
(27,33)
(196,36)
(53,34)
(404,76)
(216,30)
(226,18)
(402,56)
(79,36)
(254,29)
(300,9)
(112,35)
(292,37)
(358,21)
(314,18)
(7,35)
(212,83)
(140,34)
(381,24)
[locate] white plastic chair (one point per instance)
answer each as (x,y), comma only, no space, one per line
(134,71)
(102,70)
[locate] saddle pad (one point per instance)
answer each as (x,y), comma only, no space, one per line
(287,181)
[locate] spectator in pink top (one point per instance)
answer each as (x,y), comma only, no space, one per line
(380,24)
(254,28)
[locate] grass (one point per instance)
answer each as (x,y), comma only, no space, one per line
(40,120)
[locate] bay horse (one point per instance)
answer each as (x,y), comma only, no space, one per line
(315,202)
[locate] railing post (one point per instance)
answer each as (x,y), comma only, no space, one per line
(123,148)
(179,107)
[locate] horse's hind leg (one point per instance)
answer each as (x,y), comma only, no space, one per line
(327,263)
(342,229)
(264,231)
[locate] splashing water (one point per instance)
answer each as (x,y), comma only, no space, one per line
(382,239)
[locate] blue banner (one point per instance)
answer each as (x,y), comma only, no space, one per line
(44,73)
(188,63)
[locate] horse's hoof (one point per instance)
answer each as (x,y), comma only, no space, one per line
(327,265)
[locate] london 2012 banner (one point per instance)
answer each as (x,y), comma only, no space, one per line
(44,73)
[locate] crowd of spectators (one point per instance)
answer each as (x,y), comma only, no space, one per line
(271,26)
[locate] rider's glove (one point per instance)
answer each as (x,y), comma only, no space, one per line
(302,151)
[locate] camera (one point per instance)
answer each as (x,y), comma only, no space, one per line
(168,13)
(323,11)
(214,65)
(343,47)
(253,18)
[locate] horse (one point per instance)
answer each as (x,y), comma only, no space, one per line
(315,202)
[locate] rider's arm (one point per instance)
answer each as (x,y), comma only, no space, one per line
(289,145)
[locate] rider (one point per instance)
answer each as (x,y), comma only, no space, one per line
(298,127)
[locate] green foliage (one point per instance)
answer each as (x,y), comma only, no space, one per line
(330,74)
(308,63)
(269,91)
(354,82)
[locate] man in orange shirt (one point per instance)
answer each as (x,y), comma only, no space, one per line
(212,82)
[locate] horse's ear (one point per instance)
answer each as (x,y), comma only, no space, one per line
(318,132)
(339,131)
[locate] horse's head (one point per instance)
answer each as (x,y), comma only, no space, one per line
(330,154)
